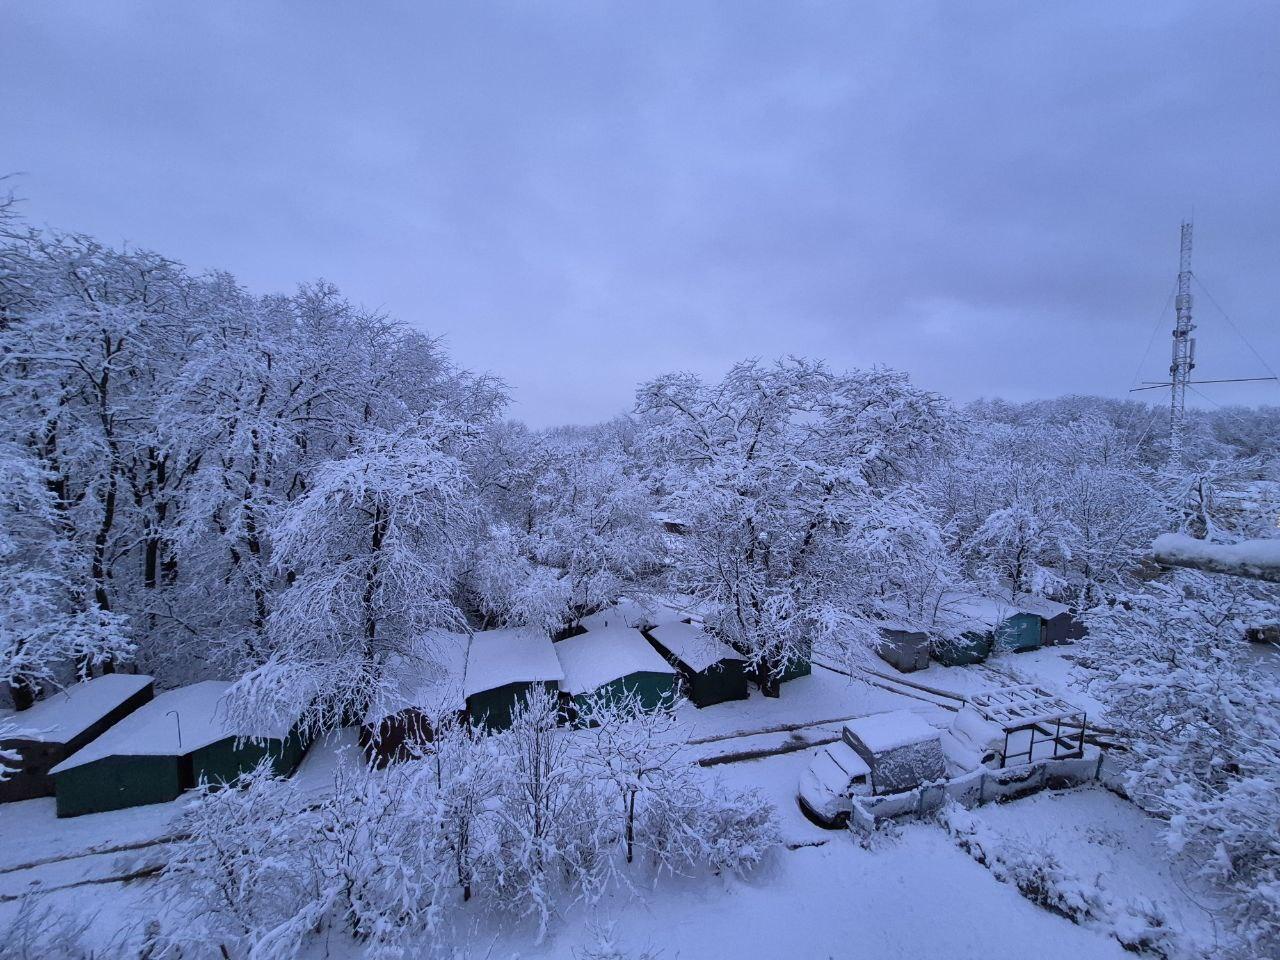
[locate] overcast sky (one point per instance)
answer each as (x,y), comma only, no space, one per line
(580,196)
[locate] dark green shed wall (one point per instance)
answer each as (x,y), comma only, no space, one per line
(904,650)
(114,783)
(719,683)
(228,759)
(493,708)
(970,648)
(799,667)
(653,690)
(722,681)
(1020,632)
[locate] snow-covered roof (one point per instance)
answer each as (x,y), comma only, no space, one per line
(496,658)
(431,682)
(1020,705)
(663,517)
(626,612)
(975,610)
(68,713)
(153,731)
(1258,559)
(592,659)
(881,732)
(692,645)
(1040,606)
(669,607)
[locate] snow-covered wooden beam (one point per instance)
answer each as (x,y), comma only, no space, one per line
(1256,559)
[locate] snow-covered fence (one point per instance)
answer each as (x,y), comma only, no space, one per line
(975,788)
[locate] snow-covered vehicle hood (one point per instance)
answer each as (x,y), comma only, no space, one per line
(835,774)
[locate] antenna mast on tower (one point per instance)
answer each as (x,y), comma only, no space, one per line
(1184,354)
(1184,350)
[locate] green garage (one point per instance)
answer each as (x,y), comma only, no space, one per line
(64,723)
(503,668)
(711,671)
(1019,631)
(972,646)
(612,663)
(168,745)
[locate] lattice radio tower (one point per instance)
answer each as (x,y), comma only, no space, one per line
(1184,354)
(1184,349)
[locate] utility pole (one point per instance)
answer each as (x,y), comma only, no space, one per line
(1184,350)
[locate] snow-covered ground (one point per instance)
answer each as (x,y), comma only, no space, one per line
(919,897)
(822,894)
(1112,848)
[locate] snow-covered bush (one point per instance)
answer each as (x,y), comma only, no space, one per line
(554,834)
(262,868)
(693,825)
(246,868)
(634,751)
(1205,724)
(38,932)
(605,945)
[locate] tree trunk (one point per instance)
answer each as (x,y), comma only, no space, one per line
(23,693)
(631,825)
(769,672)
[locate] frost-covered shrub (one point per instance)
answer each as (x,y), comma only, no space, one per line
(695,825)
(520,823)
(42,933)
(553,834)
(633,752)
(262,869)
(1205,728)
(605,945)
(245,867)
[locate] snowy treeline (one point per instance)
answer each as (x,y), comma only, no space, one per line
(290,489)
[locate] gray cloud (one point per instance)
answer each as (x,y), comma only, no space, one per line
(582,195)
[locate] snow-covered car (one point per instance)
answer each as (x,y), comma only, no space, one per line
(877,754)
(827,786)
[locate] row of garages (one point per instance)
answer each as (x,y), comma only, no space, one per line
(968,628)
(622,653)
(112,742)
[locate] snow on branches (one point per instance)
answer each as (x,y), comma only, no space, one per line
(520,823)
(773,468)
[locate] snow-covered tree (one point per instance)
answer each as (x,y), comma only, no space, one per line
(770,466)
(1205,723)
(633,749)
(48,632)
(571,529)
(553,837)
(371,552)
